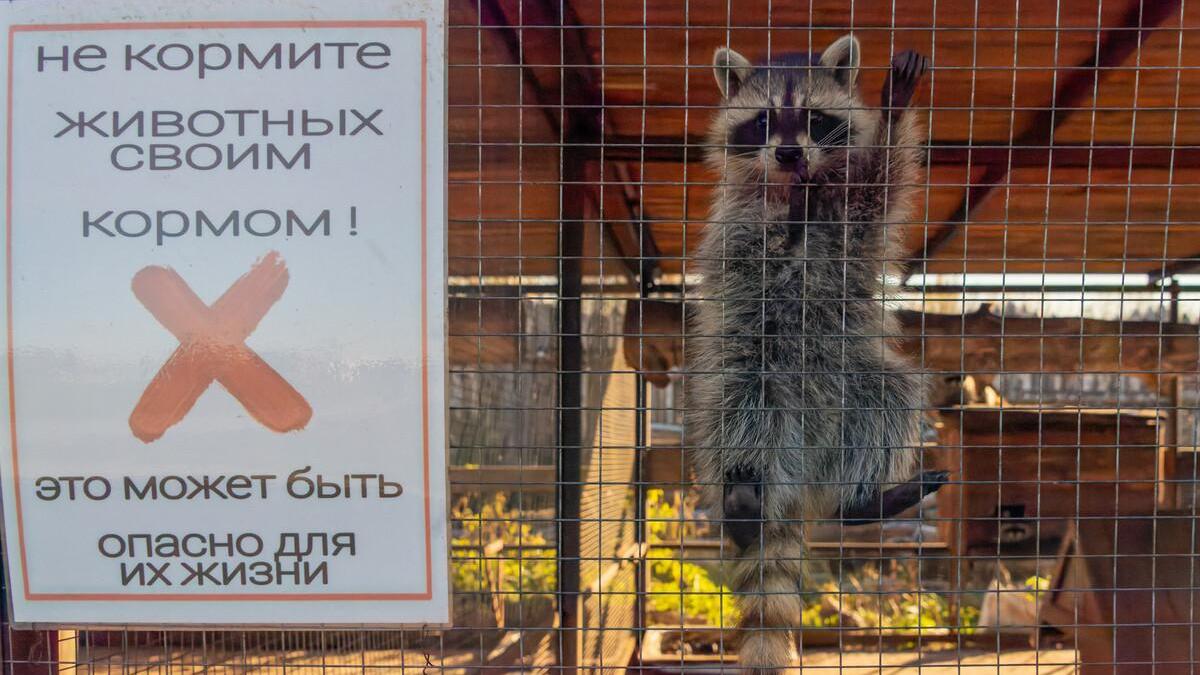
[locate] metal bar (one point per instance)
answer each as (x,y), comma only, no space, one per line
(570,411)
(1180,266)
(575,194)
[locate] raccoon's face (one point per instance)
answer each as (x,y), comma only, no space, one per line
(798,114)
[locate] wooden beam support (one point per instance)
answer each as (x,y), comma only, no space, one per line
(947,343)
(492,17)
(984,343)
(579,99)
(1179,266)
(980,343)
(653,338)
(1111,51)
(635,239)
(1065,156)
(676,149)
(974,194)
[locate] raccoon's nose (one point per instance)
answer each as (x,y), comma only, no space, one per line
(787,154)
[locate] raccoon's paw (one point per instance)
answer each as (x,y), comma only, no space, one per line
(907,70)
(801,176)
(797,198)
(743,505)
(884,505)
(798,191)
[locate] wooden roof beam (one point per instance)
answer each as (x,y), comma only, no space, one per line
(980,343)
(635,149)
(492,17)
(579,93)
(1112,49)
(1179,266)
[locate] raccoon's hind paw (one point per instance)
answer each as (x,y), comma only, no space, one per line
(743,505)
(890,503)
(907,70)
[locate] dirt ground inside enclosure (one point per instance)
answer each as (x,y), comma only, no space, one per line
(965,662)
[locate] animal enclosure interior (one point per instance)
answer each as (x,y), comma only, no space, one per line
(1045,284)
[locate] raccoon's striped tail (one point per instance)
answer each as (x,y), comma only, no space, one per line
(767,579)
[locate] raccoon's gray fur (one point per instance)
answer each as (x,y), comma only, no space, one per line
(791,382)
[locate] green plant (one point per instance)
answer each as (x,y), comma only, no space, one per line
(968,619)
(686,590)
(1036,585)
(671,521)
(872,599)
(924,610)
(681,591)
(529,571)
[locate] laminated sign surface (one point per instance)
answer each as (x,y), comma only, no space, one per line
(224,312)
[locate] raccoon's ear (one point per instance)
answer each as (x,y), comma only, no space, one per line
(731,69)
(843,57)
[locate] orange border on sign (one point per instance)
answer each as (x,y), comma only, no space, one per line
(12,410)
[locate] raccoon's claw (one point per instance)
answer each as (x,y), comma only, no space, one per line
(907,70)
(884,505)
(801,180)
(797,196)
(801,175)
(743,505)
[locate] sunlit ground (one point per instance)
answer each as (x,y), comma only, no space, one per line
(1014,662)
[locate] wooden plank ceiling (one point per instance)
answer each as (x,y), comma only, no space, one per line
(1078,121)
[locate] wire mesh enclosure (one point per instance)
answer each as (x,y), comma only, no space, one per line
(1041,287)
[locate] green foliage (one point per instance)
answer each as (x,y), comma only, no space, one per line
(670,521)
(1035,586)
(532,572)
(681,591)
(968,619)
(686,590)
(872,599)
(817,615)
(924,610)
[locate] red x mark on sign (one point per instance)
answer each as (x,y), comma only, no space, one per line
(212,346)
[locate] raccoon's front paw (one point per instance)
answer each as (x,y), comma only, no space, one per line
(743,505)
(798,191)
(907,70)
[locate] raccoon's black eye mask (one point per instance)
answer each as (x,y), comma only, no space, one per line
(827,129)
(823,128)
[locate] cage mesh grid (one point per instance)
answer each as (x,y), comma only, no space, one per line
(1045,287)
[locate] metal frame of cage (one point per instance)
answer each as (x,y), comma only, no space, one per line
(597,305)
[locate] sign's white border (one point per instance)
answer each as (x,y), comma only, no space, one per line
(431,15)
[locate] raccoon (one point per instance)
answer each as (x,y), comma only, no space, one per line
(800,409)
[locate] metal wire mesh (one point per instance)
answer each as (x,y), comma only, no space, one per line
(1045,286)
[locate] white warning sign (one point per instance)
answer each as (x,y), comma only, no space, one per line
(224,310)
